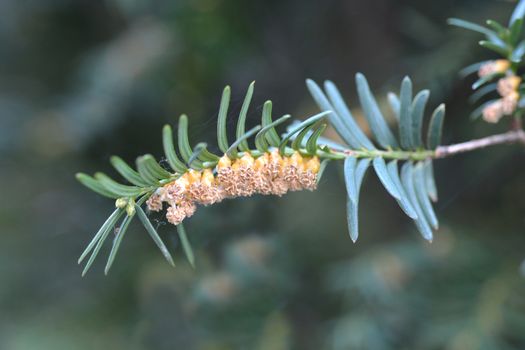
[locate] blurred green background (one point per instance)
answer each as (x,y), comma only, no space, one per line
(82,80)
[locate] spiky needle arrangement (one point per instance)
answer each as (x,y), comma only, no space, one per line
(295,161)
(277,165)
(198,177)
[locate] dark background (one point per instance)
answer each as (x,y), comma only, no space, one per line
(83,80)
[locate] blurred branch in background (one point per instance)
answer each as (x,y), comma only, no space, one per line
(386,292)
(108,76)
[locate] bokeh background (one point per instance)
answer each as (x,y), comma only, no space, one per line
(83,80)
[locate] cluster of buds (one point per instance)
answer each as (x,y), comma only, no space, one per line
(508,87)
(493,67)
(269,174)
(125,203)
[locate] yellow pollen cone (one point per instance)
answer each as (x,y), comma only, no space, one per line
(224,162)
(261,161)
(296,160)
(207,177)
(193,176)
(275,157)
(501,65)
(313,165)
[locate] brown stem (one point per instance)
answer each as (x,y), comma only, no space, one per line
(513,136)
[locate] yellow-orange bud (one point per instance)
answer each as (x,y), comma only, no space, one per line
(276,158)
(510,103)
(508,85)
(193,176)
(130,208)
(245,161)
(313,165)
(207,177)
(121,203)
(493,112)
(493,67)
(501,65)
(261,162)
(224,162)
(183,181)
(296,160)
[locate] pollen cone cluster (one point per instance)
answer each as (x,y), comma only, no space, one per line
(493,67)
(269,174)
(508,89)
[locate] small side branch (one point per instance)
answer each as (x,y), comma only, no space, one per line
(514,136)
(510,137)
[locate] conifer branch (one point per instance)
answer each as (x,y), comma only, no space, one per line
(402,159)
(509,137)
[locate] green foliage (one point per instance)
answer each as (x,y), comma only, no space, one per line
(243,146)
(67,106)
(263,137)
(341,118)
(232,151)
(169,150)
(436,127)
(507,42)
(186,246)
(222,138)
(150,174)
(354,174)
(305,138)
(375,119)
(410,191)
(305,125)
(153,233)
(413,187)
